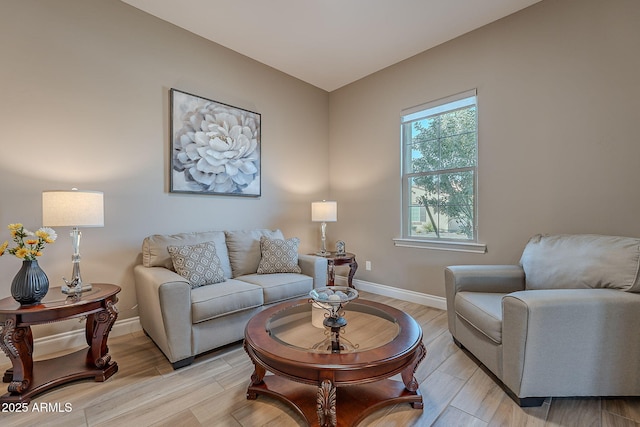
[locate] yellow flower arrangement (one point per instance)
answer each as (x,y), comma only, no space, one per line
(29,245)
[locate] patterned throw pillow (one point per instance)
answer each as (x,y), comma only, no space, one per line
(199,264)
(244,249)
(279,256)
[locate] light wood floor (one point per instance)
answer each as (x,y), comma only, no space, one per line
(211,392)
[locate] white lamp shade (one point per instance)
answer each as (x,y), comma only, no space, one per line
(324,211)
(72,208)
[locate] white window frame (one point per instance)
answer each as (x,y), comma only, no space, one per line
(408,240)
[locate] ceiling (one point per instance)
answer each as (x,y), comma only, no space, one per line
(330,43)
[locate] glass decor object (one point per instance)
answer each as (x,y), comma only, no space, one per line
(30,285)
(73,208)
(333,299)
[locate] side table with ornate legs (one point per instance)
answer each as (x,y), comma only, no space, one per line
(27,378)
(334,259)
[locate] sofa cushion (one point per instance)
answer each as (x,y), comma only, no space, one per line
(582,261)
(278,256)
(199,263)
(280,286)
(483,311)
(155,253)
(220,299)
(244,249)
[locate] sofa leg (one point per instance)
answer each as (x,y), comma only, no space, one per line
(456,342)
(182,363)
(523,402)
(527,402)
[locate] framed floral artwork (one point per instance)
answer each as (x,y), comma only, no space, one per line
(215,148)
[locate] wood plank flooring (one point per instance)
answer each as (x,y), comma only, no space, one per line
(211,392)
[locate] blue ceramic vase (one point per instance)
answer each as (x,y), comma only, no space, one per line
(30,285)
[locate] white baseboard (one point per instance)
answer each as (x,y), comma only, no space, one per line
(76,338)
(401,294)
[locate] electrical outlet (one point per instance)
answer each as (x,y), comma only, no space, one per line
(367,265)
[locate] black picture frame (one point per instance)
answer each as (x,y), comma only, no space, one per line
(215,147)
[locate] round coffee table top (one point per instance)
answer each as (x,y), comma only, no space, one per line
(381,340)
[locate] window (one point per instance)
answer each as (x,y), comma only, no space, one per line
(439,170)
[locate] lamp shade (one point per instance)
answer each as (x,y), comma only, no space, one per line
(72,208)
(324,211)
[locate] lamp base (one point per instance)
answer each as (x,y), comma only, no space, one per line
(323,253)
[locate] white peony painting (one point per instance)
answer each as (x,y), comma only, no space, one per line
(215,148)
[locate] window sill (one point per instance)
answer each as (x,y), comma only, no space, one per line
(473,247)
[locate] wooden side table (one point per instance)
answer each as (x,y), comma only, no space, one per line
(27,378)
(346,259)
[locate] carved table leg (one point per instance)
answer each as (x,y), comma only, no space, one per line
(17,344)
(353,266)
(408,373)
(326,403)
(331,273)
(97,332)
(258,374)
(256,379)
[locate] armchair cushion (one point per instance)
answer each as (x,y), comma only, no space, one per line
(482,311)
(582,261)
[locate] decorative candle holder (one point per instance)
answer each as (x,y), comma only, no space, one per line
(333,299)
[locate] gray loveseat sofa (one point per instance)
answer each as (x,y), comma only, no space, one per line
(184,319)
(565,322)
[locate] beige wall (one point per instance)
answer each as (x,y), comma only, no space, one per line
(559,109)
(85,91)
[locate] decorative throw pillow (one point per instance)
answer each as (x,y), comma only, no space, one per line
(244,249)
(155,253)
(279,256)
(199,263)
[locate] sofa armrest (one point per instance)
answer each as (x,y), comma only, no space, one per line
(479,278)
(314,266)
(164,304)
(571,342)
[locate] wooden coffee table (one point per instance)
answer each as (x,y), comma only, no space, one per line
(335,389)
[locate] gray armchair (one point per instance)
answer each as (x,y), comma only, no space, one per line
(565,322)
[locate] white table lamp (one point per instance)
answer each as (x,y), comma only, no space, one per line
(324,211)
(73,208)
